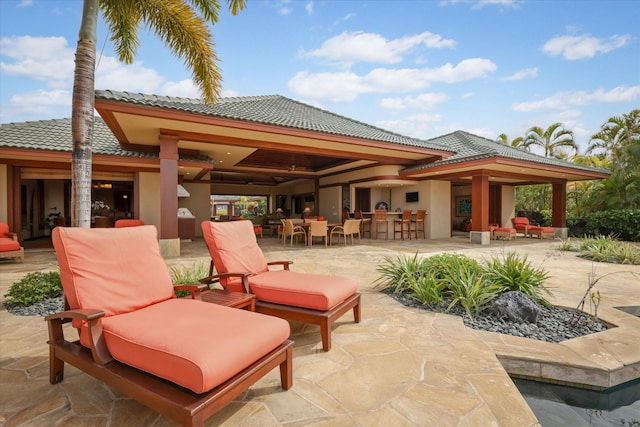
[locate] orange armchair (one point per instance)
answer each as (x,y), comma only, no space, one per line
(303,297)
(521,224)
(138,338)
(9,245)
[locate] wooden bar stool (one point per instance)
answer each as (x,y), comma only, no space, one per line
(401,222)
(420,223)
(380,221)
(365,224)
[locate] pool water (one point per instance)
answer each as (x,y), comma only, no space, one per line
(556,405)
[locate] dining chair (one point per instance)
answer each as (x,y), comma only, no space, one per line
(379,222)
(350,228)
(420,223)
(365,223)
(289,230)
(318,229)
(401,222)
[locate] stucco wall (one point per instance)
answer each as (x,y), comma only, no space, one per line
(4,203)
(331,203)
(508,205)
(438,207)
(150,199)
(197,203)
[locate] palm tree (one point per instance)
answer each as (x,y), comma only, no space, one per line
(515,143)
(616,133)
(181,24)
(551,139)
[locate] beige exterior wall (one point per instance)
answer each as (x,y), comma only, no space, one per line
(331,203)
(438,207)
(508,205)
(198,203)
(150,199)
(4,202)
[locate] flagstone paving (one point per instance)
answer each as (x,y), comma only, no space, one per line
(400,366)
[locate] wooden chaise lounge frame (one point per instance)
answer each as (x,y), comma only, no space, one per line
(324,319)
(178,403)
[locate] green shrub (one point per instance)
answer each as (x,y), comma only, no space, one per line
(188,275)
(468,287)
(427,289)
(34,287)
(624,224)
(567,245)
(397,274)
(515,273)
(607,249)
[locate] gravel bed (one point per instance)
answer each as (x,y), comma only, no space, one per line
(557,324)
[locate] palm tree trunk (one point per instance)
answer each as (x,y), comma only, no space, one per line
(82,116)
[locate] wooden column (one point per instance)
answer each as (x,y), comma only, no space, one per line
(168,187)
(559,209)
(480,203)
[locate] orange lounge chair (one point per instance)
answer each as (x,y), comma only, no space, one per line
(138,338)
(9,245)
(303,297)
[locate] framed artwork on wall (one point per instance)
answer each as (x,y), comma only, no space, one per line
(463,205)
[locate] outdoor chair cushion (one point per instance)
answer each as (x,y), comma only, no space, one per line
(4,229)
(315,291)
(7,244)
(197,361)
(520,223)
(97,256)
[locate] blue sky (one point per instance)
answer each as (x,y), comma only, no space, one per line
(419,68)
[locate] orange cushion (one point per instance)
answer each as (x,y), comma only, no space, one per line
(234,249)
(543,229)
(7,244)
(520,221)
(91,268)
(504,229)
(195,344)
(4,229)
(315,291)
(128,223)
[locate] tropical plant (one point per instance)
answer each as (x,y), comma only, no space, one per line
(34,287)
(396,275)
(470,288)
(183,30)
(515,273)
(551,139)
(608,249)
(188,274)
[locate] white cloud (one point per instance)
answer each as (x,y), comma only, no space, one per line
(584,46)
(345,18)
(46,59)
(284,11)
(309,8)
(424,101)
(523,74)
(183,89)
(113,74)
(564,100)
(477,4)
(417,125)
(25,3)
(347,86)
(350,47)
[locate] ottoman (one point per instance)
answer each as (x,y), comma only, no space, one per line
(541,232)
(504,233)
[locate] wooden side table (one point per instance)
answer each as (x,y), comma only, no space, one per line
(229,299)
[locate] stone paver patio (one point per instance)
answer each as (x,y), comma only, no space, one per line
(398,367)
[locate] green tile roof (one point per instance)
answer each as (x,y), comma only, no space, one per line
(273,110)
(55,135)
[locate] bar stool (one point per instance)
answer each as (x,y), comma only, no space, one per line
(420,223)
(404,220)
(365,224)
(379,221)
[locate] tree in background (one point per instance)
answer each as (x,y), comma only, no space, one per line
(618,147)
(551,139)
(515,143)
(181,24)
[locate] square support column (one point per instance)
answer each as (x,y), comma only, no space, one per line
(480,210)
(169,240)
